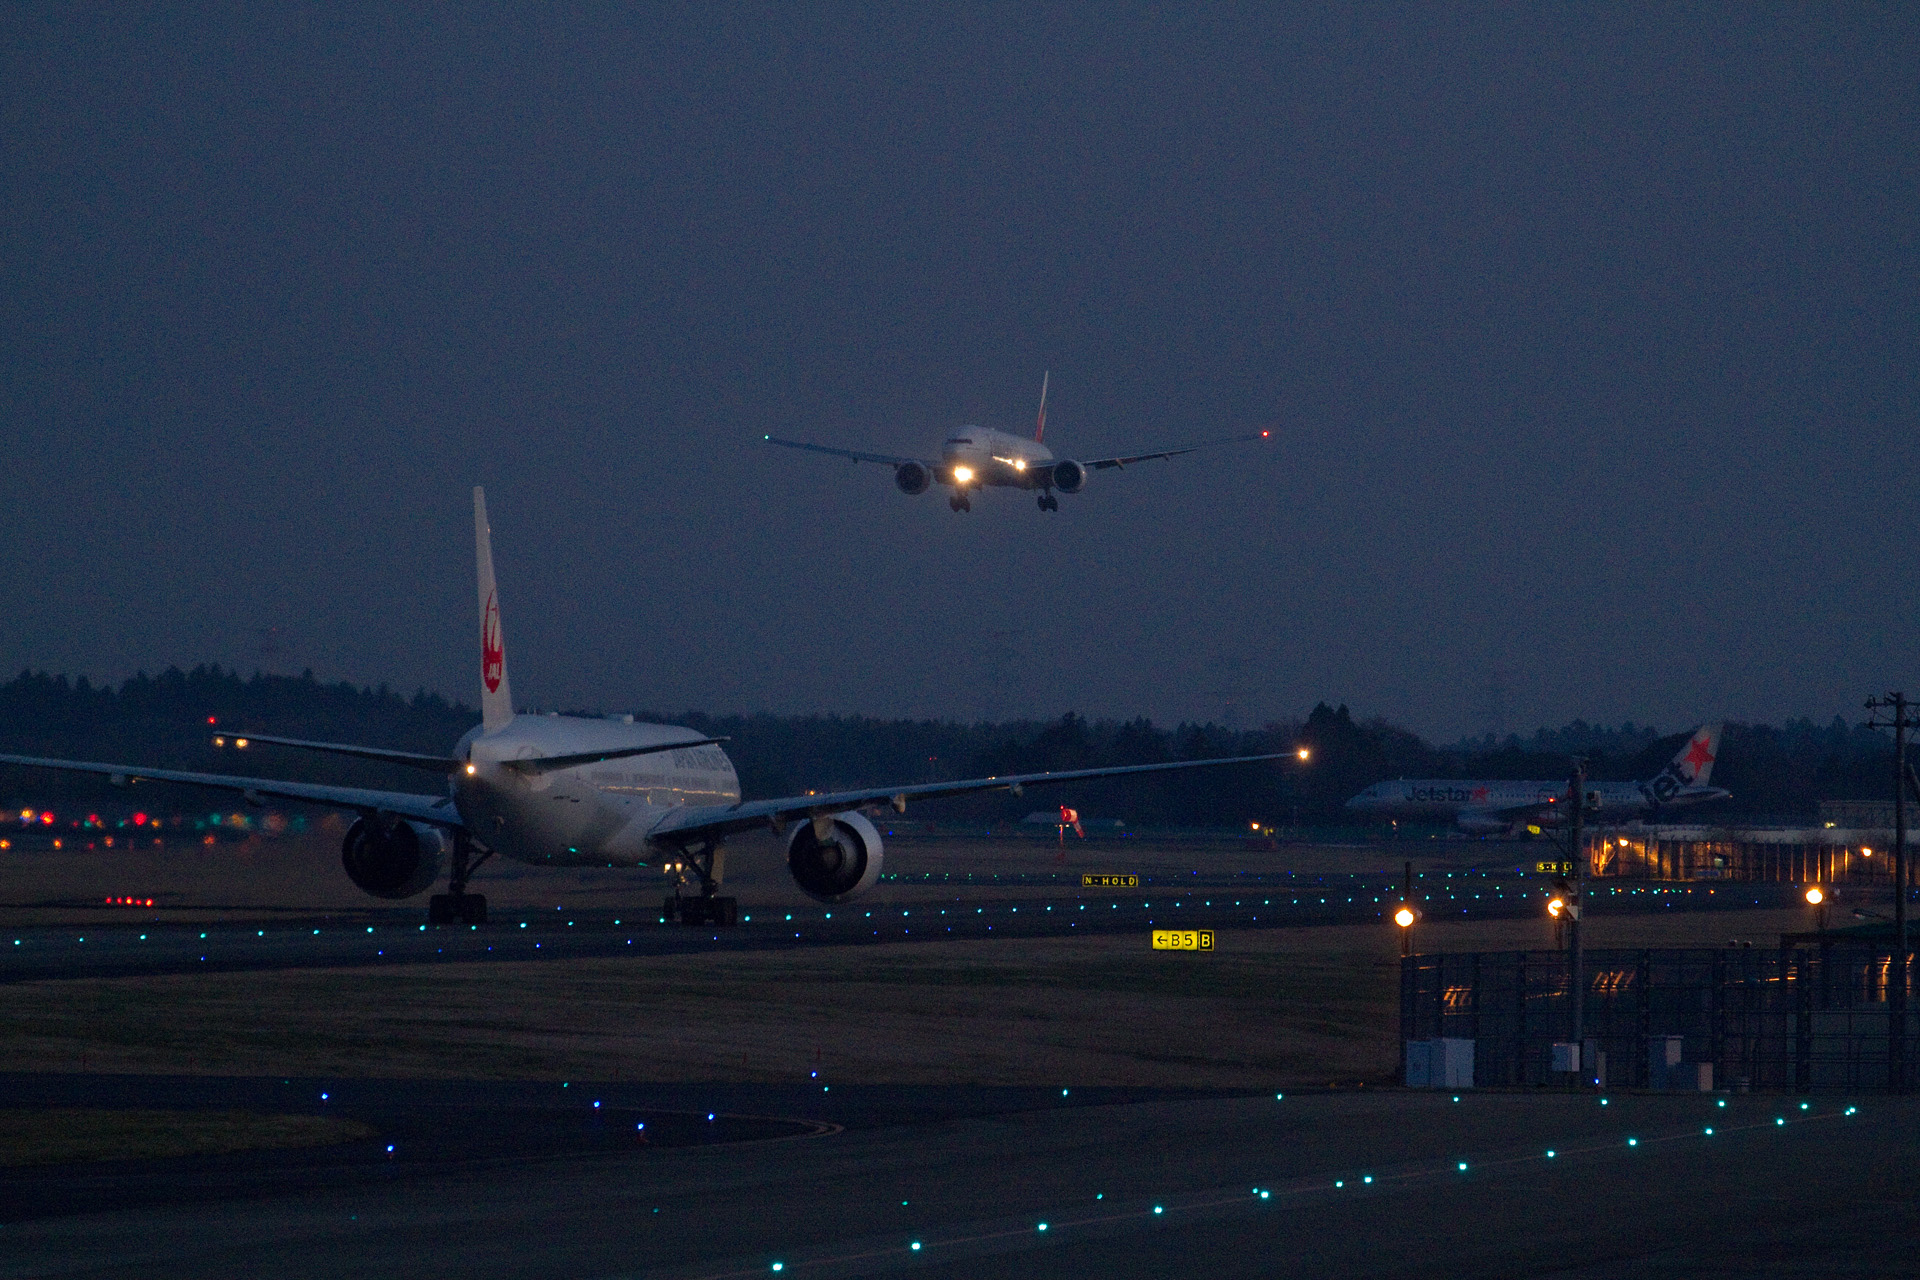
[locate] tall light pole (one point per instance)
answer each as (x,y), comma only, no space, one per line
(1576,851)
(1899,722)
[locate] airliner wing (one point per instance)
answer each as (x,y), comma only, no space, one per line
(437,810)
(695,822)
(1101,464)
(443,764)
(412,759)
(884,458)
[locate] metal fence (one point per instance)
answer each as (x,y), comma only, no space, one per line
(1821,1018)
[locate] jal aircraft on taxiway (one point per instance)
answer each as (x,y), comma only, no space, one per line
(576,791)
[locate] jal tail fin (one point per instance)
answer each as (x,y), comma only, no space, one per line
(1040,423)
(496,699)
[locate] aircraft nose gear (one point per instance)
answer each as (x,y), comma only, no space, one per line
(960,502)
(457,906)
(706,864)
(1049,503)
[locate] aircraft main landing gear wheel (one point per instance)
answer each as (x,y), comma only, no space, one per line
(1049,503)
(959,502)
(705,866)
(457,906)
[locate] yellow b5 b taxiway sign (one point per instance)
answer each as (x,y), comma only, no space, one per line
(1183,939)
(1109,882)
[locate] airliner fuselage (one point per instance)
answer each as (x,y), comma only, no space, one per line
(597,814)
(975,456)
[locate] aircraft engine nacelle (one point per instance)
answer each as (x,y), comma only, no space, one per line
(912,477)
(844,865)
(396,863)
(1069,476)
(1483,825)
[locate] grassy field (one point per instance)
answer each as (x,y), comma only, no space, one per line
(1269,1008)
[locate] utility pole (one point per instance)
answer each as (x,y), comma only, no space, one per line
(1900,722)
(1577,853)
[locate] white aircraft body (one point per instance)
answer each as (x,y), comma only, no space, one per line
(977,457)
(1492,807)
(572,791)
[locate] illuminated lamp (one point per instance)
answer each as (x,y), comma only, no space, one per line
(962,474)
(1555,906)
(1404,917)
(1303,753)
(1815,895)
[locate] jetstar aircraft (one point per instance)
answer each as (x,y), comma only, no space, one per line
(1502,808)
(974,457)
(571,791)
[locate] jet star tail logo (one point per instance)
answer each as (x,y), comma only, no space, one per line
(1698,755)
(493,660)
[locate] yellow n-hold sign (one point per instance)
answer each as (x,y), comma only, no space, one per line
(1183,939)
(1109,882)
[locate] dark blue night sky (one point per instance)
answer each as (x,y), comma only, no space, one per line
(1587,337)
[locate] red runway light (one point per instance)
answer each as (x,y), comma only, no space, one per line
(47,818)
(139,819)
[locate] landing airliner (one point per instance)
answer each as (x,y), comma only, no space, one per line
(974,457)
(1503,808)
(571,791)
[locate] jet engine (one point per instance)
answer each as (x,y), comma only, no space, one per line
(396,862)
(912,477)
(1069,476)
(843,865)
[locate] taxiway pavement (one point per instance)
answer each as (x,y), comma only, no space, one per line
(959,1182)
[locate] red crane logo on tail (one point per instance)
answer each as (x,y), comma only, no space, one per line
(493,660)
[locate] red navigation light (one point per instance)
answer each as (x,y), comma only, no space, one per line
(139,819)
(1265,434)
(213,719)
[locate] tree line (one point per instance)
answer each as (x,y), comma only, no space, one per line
(170,719)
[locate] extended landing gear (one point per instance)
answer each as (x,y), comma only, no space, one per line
(1049,503)
(457,906)
(704,866)
(960,502)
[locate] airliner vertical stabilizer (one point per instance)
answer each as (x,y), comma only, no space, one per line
(496,699)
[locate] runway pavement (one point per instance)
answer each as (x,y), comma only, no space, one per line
(150,941)
(997,1182)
